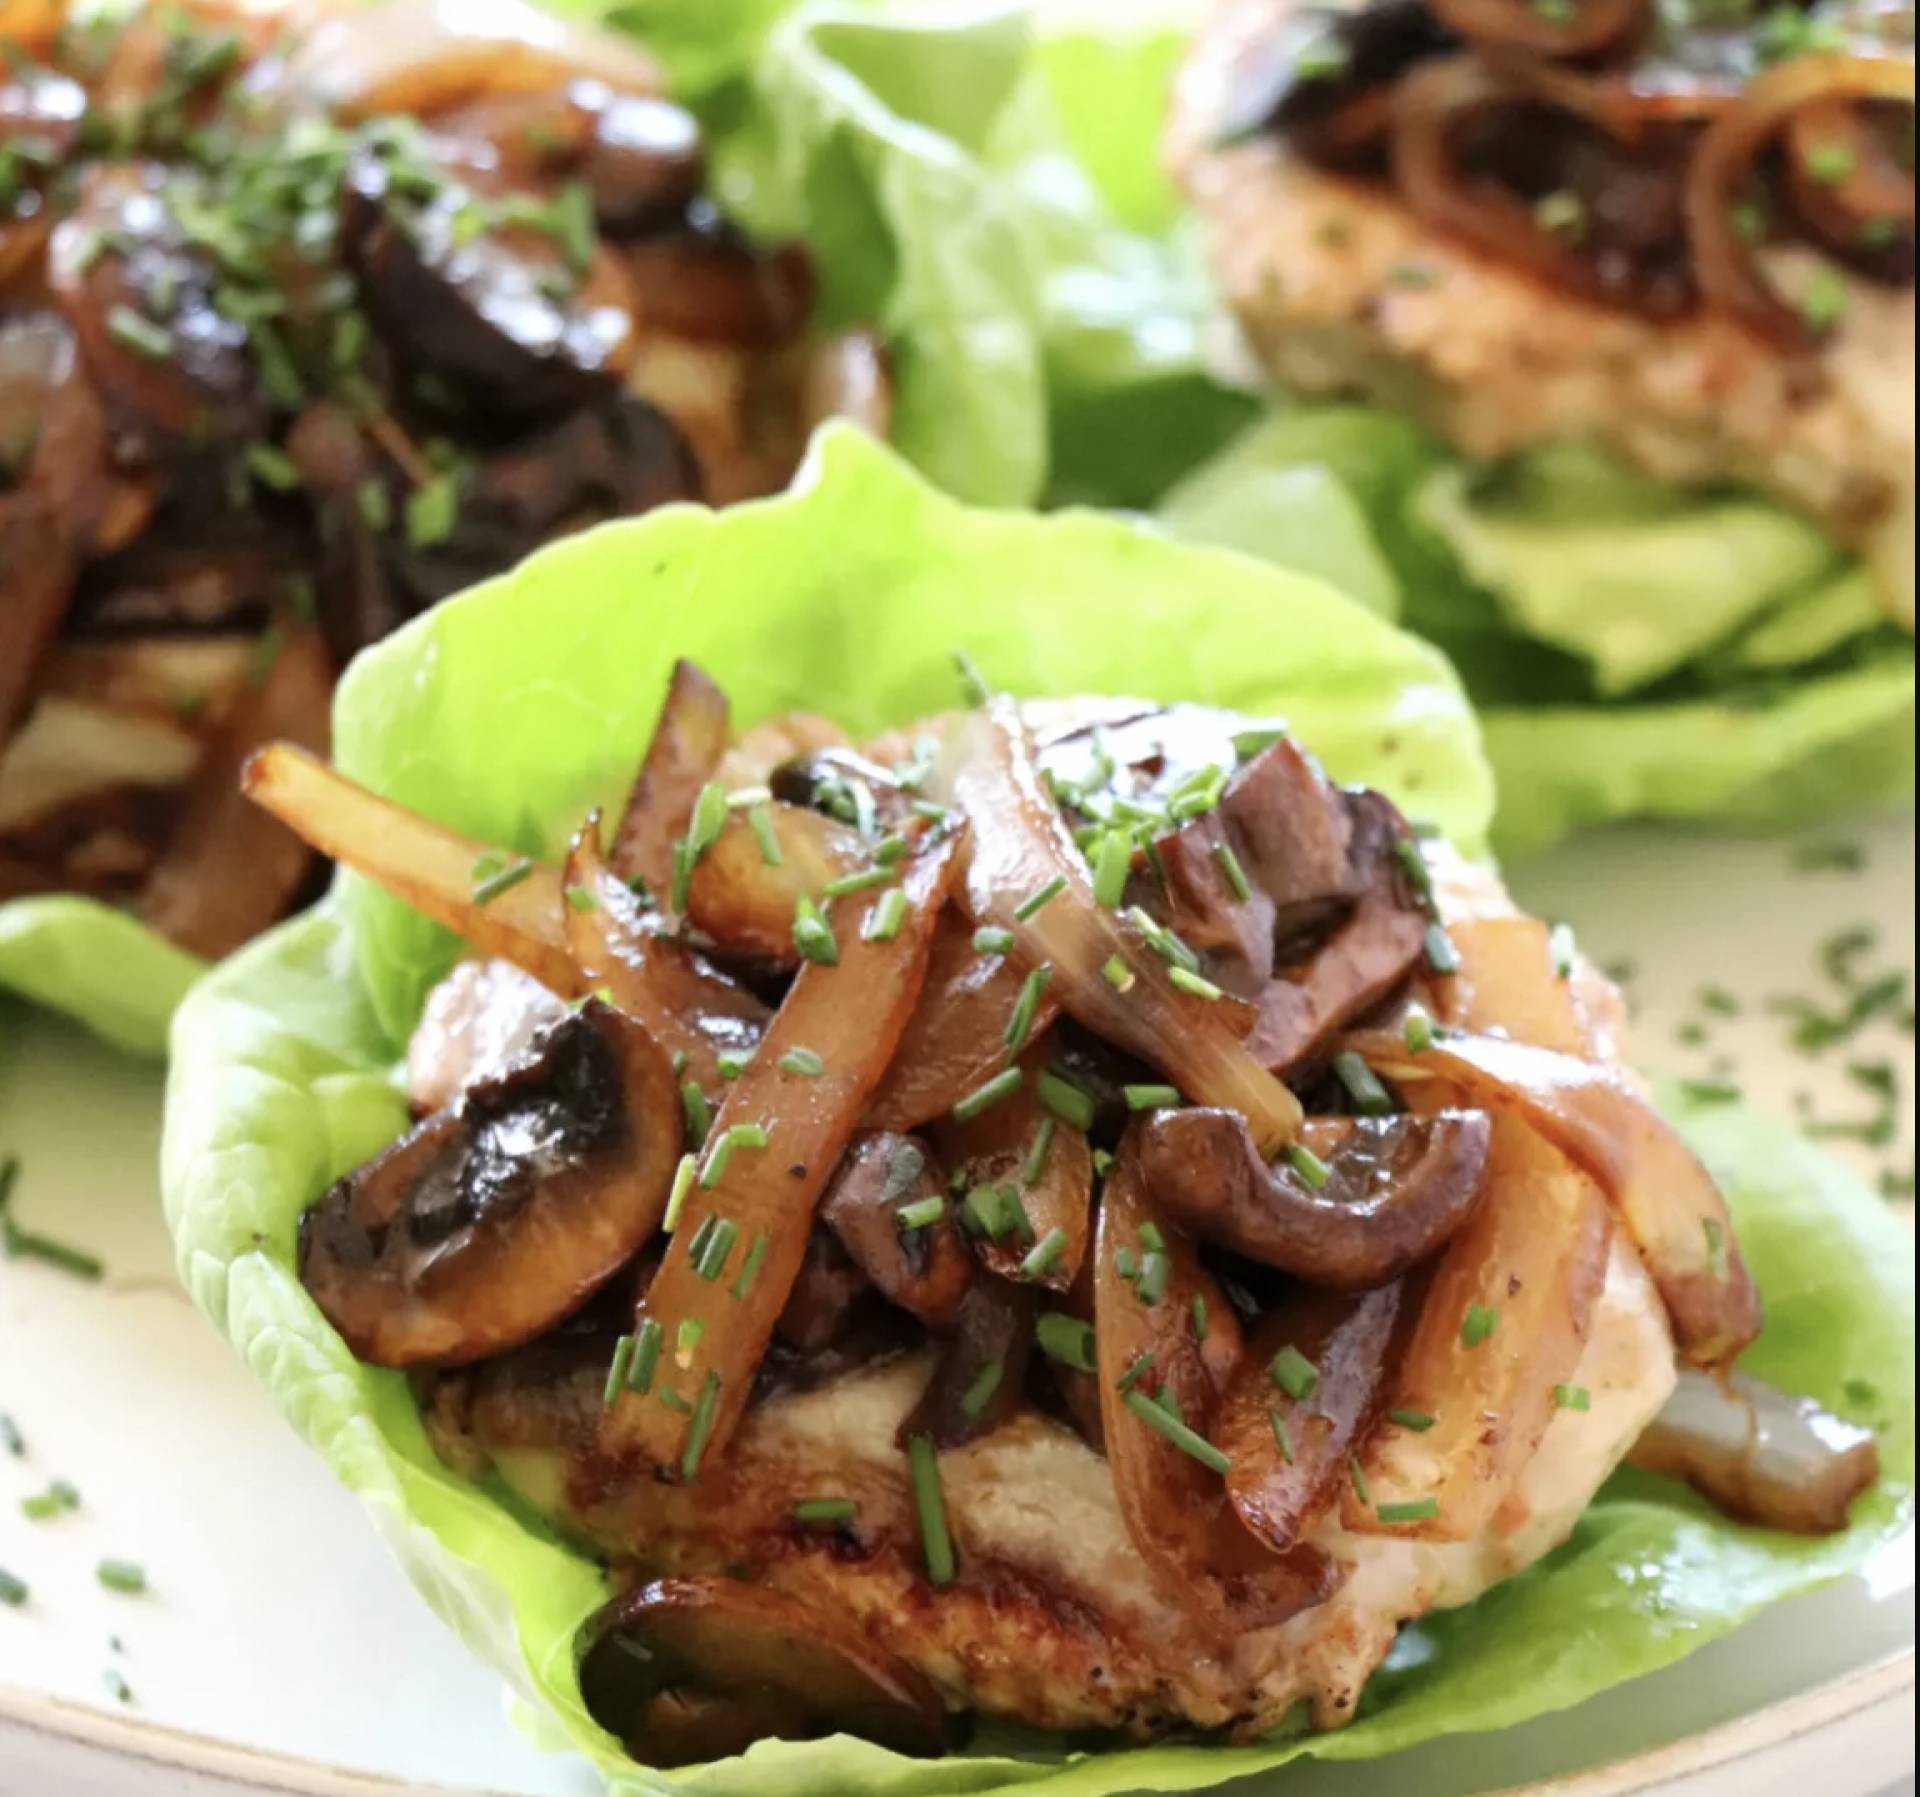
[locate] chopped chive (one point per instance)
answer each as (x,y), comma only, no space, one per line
(57,1500)
(10,1437)
(1112,863)
(686,1338)
(1442,956)
(988,940)
(813,936)
(1419,1421)
(1150,1236)
(272,467)
(982,1098)
(702,1235)
(935,1543)
(1232,872)
(1155,1270)
(1282,1437)
(738,1135)
(863,881)
(1199,1317)
(1313,1171)
(743,798)
(1369,1097)
(1359,1480)
(675,1402)
(132,330)
(760,822)
(1125,1264)
(1417,1032)
(884,920)
(677,1195)
(1151,1098)
(1249,743)
(1564,950)
(1102,1163)
(713,1259)
(1069,1340)
(1479,1323)
(979,1394)
(1070,1103)
(1572,1397)
(826,1510)
(729,1063)
(1414,865)
(1036,1158)
(695,1110)
(1414,1510)
(13,1591)
(921,1212)
(976,688)
(432,512)
(1294,1373)
(492,876)
(1041,896)
(1823,301)
(1142,1365)
(582,898)
(1117,974)
(1193,983)
(891,849)
(1044,1255)
(128,1577)
(750,1267)
(802,1062)
(1020,1024)
(926,808)
(1177,1432)
(700,1428)
(646,1356)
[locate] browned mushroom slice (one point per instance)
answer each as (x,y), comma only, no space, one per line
(229,869)
(684,1002)
(1138,750)
(685,747)
(705,282)
(689,1670)
(1758,1454)
(1352,971)
(956,1038)
(980,1378)
(1308,1386)
(845,785)
(876,1206)
(1379,1195)
(825,1291)
(502,313)
(499,1215)
(745,896)
(480,1019)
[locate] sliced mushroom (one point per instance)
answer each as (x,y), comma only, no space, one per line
(1759,1455)
(689,1670)
(826,1289)
(1352,971)
(501,1214)
(845,785)
(923,1267)
(980,1378)
(1394,1189)
(683,751)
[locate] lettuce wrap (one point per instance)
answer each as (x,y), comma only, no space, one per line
(845,596)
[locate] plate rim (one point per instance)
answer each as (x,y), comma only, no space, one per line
(1831,1704)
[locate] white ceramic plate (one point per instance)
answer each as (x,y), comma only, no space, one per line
(279,1650)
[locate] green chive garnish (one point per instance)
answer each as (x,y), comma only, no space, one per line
(1563,948)
(813,936)
(987,940)
(1442,956)
(1359,1480)
(1232,872)
(1313,1171)
(1117,974)
(921,1212)
(132,330)
(1414,1510)
(1044,1254)
(884,920)
(1419,1421)
(976,689)
(1417,1032)
(677,1195)
(1155,1270)
(1020,1024)
(713,1257)
(1193,983)
(686,1338)
(1177,1432)
(1036,1159)
(57,1500)
(694,1109)
(834,1511)
(730,1063)
(126,1576)
(863,881)
(802,1062)
(739,1135)
(1151,1098)
(1199,1318)
(1003,1085)
(1041,896)
(1370,1098)
(935,1542)
(1150,1236)
(760,822)
(1070,1103)
(750,1267)
(13,1591)
(1282,1439)
(1142,1365)
(1112,862)
(700,1428)
(1069,1340)
(1479,1323)
(646,1356)
(1572,1397)
(1294,1373)
(582,898)
(494,874)
(979,1394)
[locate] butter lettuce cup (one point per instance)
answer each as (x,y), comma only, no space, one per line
(864,1219)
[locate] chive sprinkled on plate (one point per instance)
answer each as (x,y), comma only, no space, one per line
(766,838)
(1282,1435)
(863,881)
(683,1176)
(128,1577)
(1442,956)
(700,1427)
(931,1507)
(813,937)
(696,1112)
(1412,1510)
(1070,1103)
(989,939)
(1157,1417)
(1359,1479)
(1039,898)
(1417,1031)
(979,1394)
(1067,1339)
(1363,1088)
(1193,984)
(1036,1155)
(887,915)
(1003,1085)
(1020,1024)
(921,1213)
(1117,974)
(734,1137)
(1232,872)
(1478,1324)
(1419,1421)
(1151,1098)
(832,1512)
(803,1063)
(59,1499)
(1572,1397)
(1141,1365)
(495,874)
(1044,1255)
(13,1591)
(1312,1170)
(10,1437)
(1294,1374)
(647,1344)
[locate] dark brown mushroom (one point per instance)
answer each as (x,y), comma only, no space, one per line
(1353,970)
(689,1670)
(1393,1189)
(500,1214)
(832,780)
(826,1291)
(980,1378)
(923,1267)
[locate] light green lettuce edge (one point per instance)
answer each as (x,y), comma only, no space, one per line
(845,597)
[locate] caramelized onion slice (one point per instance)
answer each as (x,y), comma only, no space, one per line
(1019,849)
(1666,1198)
(1176,1509)
(1309,1385)
(681,999)
(1728,158)
(686,746)
(497,1216)
(422,863)
(847,1016)
(747,903)
(1395,1189)
(1758,1454)
(690,1670)
(1505,1319)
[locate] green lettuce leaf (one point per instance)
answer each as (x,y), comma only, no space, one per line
(845,596)
(102,967)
